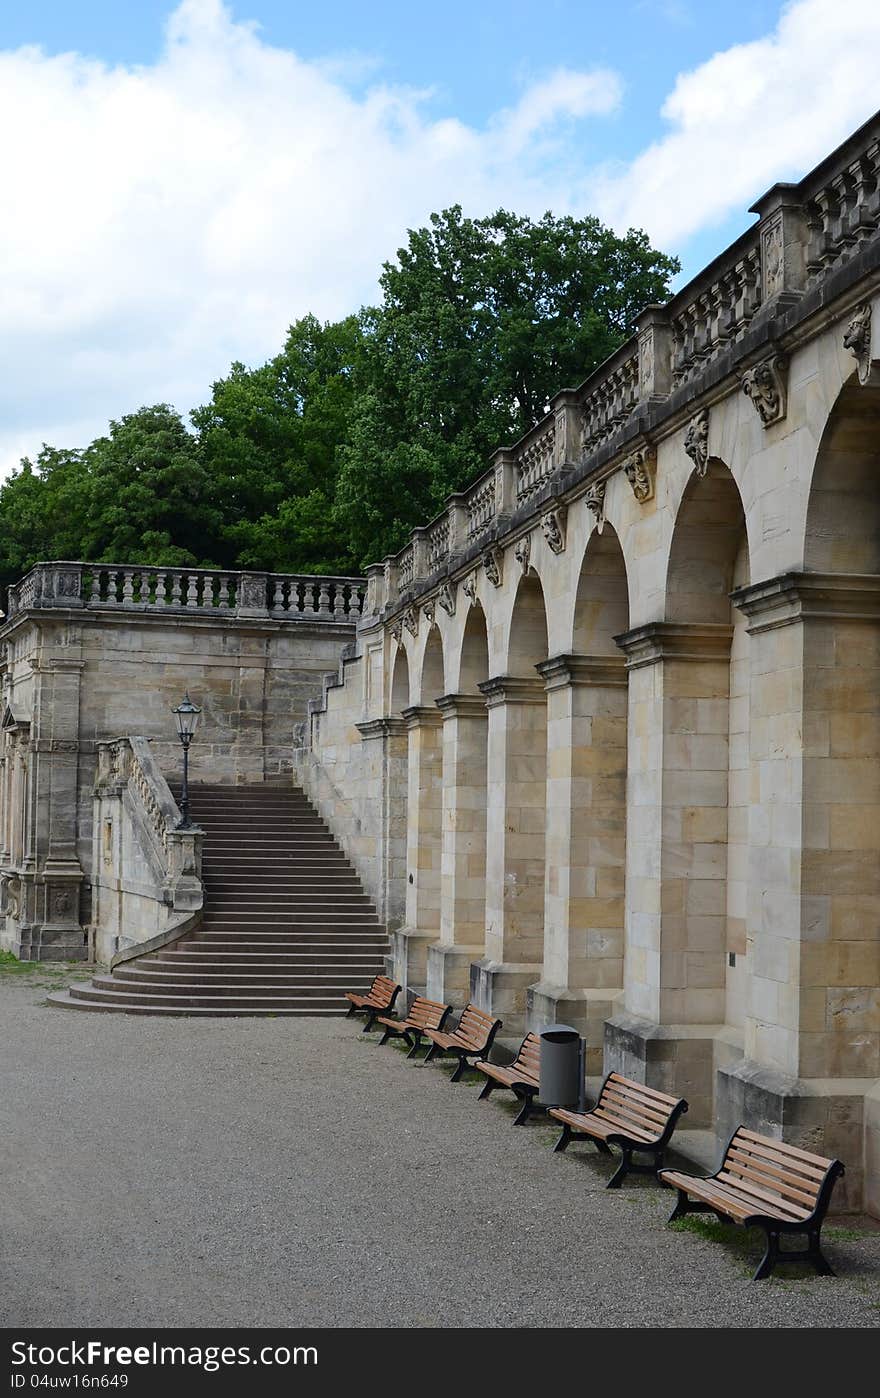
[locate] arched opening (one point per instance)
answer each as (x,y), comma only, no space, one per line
(843,516)
(586,796)
(706,781)
(425,804)
(517,797)
(463,870)
(400,689)
(840,720)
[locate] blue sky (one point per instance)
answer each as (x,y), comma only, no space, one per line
(185,179)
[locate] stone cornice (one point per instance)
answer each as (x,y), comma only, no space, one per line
(562,670)
(461,706)
(798,597)
(422,716)
(674,640)
(389,727)
(512,689)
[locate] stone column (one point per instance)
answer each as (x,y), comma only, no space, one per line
(582,973)
(386,775)
(463,856)
(52,817)
(423,840)
(516,789)
(812,1039)
(676,900)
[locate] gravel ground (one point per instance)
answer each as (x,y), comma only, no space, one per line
(163,1172)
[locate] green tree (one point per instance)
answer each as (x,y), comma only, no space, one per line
(147,495)
(270,440)
(41,511)
(481,322)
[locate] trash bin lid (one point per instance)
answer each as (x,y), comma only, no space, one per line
(559,1033)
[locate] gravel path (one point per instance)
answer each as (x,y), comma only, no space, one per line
(165,1173)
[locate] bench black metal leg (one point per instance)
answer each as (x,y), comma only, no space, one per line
(415,1044)
(817,1256)
(770,1258)
(385,1037)
(522,1115)
(564,1139)
(462,1064)
(682,1207)
(350,1011)
(431,1054)
(601,1147)
(621,1172)
(487,1090)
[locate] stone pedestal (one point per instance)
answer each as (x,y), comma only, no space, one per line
(408,961)
(449,972)
(501,989)
(825,1115)
(585,1010)
(678,1058)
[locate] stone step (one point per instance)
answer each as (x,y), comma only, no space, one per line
(303,1001)
(252,988)
(147,1006)
(272,965)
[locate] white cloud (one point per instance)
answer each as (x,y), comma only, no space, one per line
(754,114)
(159,221)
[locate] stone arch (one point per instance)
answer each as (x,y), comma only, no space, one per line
(400,685)
(527,639)
(840,719)
(586,798)
(517,799)
(706,539)
(601,609)
(473,667)
(700,828)
(843,513)
(432,683)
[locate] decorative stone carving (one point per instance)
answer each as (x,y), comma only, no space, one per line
(858,340)
(595,502)
(397,632)
(428,612)
(523,552)
(13,897)
(646,363)
(469,587)
(411,621)
(252,592)
(696,441)
(446,598)
(553,525)
(772,258)
(493,566)
(640,470)
(765,384)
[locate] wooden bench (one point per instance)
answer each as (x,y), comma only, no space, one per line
(472,1038)
(629,1115)
(764,1183)
(522,1076)
(380,997)
(423,1015)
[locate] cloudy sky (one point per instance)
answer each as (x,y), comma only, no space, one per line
(179,182)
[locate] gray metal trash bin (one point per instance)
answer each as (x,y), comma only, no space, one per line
(560,1066)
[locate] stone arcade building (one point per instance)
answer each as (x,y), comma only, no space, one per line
(607,746)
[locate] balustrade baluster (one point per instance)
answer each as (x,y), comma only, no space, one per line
(175,589)
(96,585)
(159,599)
(278,595)
(339,603)
(127,588)
(223,592)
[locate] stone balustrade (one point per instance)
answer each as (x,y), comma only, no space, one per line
(99,586)
(804,233)
(147,876)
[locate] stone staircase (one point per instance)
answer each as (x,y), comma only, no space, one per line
(286,927)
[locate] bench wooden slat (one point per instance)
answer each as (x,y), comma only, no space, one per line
(624,1106)
(800,1190)
(749,1188)
(639,1089)
(768,1143)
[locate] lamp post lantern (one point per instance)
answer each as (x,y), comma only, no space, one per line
(187,716)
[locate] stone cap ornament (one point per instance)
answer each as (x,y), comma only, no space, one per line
(765,384)
(696,441)
(640,469)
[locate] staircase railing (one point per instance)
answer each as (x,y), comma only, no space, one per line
(147,886)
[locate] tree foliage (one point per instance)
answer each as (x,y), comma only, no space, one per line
(323,458)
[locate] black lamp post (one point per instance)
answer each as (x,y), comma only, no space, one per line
(187,715)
